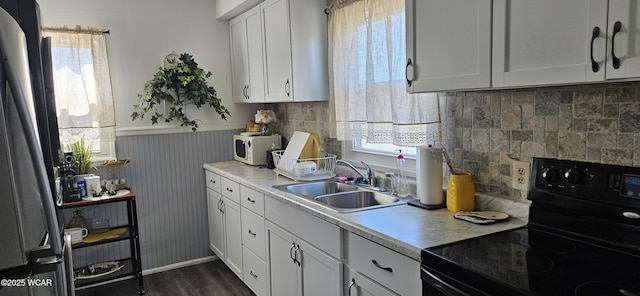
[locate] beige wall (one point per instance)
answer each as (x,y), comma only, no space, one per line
(143,32)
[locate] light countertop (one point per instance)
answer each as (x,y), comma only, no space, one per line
(403,228)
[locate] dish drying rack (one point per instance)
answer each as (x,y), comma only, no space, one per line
(292,168)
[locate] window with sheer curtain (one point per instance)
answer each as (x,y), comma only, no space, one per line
(367,54)
(82,85)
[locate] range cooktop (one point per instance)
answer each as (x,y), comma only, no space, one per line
(526,261)
(583,238)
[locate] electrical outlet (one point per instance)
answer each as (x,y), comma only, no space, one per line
(520,175)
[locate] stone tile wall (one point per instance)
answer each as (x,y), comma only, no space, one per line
(488,130)
(311,117)
(485,131)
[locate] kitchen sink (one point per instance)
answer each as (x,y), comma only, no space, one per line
(314,189)
(341,197)
(356,199)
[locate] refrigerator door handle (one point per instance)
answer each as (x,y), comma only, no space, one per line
(68,263)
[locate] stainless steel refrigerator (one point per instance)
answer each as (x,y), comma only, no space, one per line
(32,249)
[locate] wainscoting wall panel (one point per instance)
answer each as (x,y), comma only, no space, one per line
(167,176)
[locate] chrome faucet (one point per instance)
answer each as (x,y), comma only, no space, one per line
(369,176)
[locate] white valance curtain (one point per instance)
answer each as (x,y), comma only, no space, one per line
(367,54)
(83,93)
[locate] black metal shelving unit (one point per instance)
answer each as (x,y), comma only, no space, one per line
(133,264)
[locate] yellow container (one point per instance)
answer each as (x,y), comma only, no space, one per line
(460,193)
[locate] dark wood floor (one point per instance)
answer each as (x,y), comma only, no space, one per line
(210,278)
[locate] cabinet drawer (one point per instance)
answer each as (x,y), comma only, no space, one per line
(213,181)
(253,233)
(252,200)
(254,272)
(404,276)
(230,189)
(321,234)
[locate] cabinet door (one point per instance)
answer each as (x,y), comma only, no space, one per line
(548,41)
(283,271)
(363,286)
(255,61)
(239,63)
(448,44)
(277,50)
(321,274)
(626,44)
(216,223)
(233,236)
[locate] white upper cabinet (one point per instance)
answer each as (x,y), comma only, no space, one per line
(448,45)
(246,57)
(548,42)
(624,44)
(460,45)
(277,50)
(295,50)
(228,9)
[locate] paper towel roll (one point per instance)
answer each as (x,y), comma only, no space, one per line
(429,175)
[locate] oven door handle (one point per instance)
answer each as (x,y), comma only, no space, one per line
(442,285)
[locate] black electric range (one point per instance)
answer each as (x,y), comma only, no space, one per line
(583,238)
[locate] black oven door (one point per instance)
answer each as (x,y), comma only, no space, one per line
(437,284)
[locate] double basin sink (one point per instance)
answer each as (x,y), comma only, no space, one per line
(341,197)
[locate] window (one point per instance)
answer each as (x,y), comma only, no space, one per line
(82,86)
(367,54)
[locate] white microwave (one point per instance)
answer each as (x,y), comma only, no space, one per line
(253,149)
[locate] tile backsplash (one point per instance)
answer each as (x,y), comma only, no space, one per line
(485,131)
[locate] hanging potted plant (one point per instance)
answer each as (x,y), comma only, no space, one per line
(176,85)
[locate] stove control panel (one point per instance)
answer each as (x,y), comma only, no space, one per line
(610,184)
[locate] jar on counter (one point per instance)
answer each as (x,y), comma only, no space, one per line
(460,193)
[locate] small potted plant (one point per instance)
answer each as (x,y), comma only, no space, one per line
(178,84)
(82,156)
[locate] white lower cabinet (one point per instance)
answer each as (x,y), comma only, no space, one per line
(255,272)
(380,271)
(225,236)
(216,223)
(279,250)
(360,285)
(233,235)
(298,268)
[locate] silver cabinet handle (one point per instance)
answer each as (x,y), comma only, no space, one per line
(220,205)
(353,283)
(389,269)
(293,246)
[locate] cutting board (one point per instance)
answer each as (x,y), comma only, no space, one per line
(311,148)
(295,146)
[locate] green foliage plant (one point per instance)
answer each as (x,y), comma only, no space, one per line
(178,84)
(81,154)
